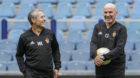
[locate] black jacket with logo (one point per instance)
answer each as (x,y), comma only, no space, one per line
(40,51)
(113,38)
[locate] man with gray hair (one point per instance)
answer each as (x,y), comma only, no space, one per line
(111,35)
(40,47)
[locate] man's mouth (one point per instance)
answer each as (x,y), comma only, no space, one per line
(108,17)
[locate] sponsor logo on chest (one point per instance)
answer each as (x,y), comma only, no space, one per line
(38,43)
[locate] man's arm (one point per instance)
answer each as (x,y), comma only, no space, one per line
(56,53)
(19,55)
(93,47)
(93,43)
(56,56)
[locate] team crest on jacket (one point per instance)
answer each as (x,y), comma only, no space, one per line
(114,34)
(47,40)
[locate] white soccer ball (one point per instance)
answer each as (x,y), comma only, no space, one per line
(102,51)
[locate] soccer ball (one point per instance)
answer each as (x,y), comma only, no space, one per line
(102,51)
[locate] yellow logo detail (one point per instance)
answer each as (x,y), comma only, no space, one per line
(47,40)
(114,34)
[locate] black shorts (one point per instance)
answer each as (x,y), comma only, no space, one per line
(32,73)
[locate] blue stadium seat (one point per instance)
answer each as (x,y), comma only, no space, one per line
(123,9)
(123,22)
(86,1)
(8,24)
(74,36)
(105,1)
(63,10)
(129,1)
(98,13)
(136,56)
(90,30)
(68,1)
(1,1)
(2,42)
(11,1)
(133,65)
(7,10)
(16,36)
(82,48)
(92,24)
(66,46)
(138,45)
(13,66)
(34,2)
(59,36)
(7,47)
(65,56)
(24,10)
(3,66)
(48,9)
(5,57)
(64,66)
(133,30)
(90,65)
(129,46)
(7,2)
(62,24)
(22,25)
(78,23)
(49,1)
(76,65)
(89,35)
(47,25)
(80,56)
(135,10)
(16,1)
(85,11)
(128,57)
(0,29)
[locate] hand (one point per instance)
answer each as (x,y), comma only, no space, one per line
(56,73)
(98,60)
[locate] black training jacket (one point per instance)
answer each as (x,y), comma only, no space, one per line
(40,51)
(114,39)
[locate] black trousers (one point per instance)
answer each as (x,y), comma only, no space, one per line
(111,71)
(32,73)
(110,76)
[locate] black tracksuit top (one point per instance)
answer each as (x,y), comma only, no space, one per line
(114,39)
(40,51)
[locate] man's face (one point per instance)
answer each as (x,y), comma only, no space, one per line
(40,20)
(109,14)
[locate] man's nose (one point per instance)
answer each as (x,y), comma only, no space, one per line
(107,14)
(44,19)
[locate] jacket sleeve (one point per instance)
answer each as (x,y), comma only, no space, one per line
(19,55)
(120,44)
(93,43)
(56,53)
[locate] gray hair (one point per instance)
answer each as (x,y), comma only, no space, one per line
(110,5)
(33,14)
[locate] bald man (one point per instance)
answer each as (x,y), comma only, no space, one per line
(111,35)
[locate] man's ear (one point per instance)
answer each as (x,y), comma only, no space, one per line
(116,12)
(33,20)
